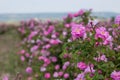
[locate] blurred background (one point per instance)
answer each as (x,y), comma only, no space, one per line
(13,11)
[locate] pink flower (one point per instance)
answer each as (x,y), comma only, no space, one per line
(41,58)
(45,52)
(55,41)
(27,55)
(29,70)
(76,14)
(34,48)
(67,25)
(53,36)
(115,75)
(22,58)
(47,75)
(47,61)
(32,34)
(54,59)
(78,30)
(42,69)
(79,13)
(80,77)
(81,65)
(22,51)
(46,33)
(89,69)
(104,35)
(55,75)
(66,75)
(22,30)
(57,67)
(108,40)
(67,63)
(117,20)
(70,15)
(64,33)
(64,67)
(101,33)
(29,78)
(5,78)
(47,46)
(50,29)
(101,58)
(60,73)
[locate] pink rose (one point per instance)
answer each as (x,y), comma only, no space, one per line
(81,65)
(47,76)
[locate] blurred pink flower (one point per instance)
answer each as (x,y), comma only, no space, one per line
(54,59)
(50,29)
(64,33)
(27,55)
(101,33)
(46,61)
(67,25)
(79,13)
(67,63)
(104,35)
(70,15)
(115,75)
(66,75)
(22,51)
(117,20)
(80,76)
(47,75)
(47,46)
(101,58)
(43,69)
(32,34)
(64,67)
(60,73)
(29,78)
(57,67)
(45,52)
(81,65)
(89,69)
(55,41)
(34,48)
(29,70)
(55,74)
(78,30)
(22,58)
(5,77)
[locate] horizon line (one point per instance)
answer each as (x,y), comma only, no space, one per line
(56,12)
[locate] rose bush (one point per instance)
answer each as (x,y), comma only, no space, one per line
(77,48)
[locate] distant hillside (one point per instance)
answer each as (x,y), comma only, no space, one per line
(105,14)
(19,17)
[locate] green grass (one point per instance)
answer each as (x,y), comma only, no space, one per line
(9,61)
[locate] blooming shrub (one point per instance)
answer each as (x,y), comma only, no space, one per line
(76,48)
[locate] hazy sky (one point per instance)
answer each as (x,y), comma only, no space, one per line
(30,6)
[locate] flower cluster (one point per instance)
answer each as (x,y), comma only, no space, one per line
(76,48)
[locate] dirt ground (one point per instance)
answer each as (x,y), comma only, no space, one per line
(9,61)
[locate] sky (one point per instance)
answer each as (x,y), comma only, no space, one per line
(41,6)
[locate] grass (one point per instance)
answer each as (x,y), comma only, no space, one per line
(9,61)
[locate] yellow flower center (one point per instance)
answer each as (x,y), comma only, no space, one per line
(80,78)
(103,32)
(77,30)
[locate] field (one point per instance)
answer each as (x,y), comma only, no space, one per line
(78,47)
(9,61)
